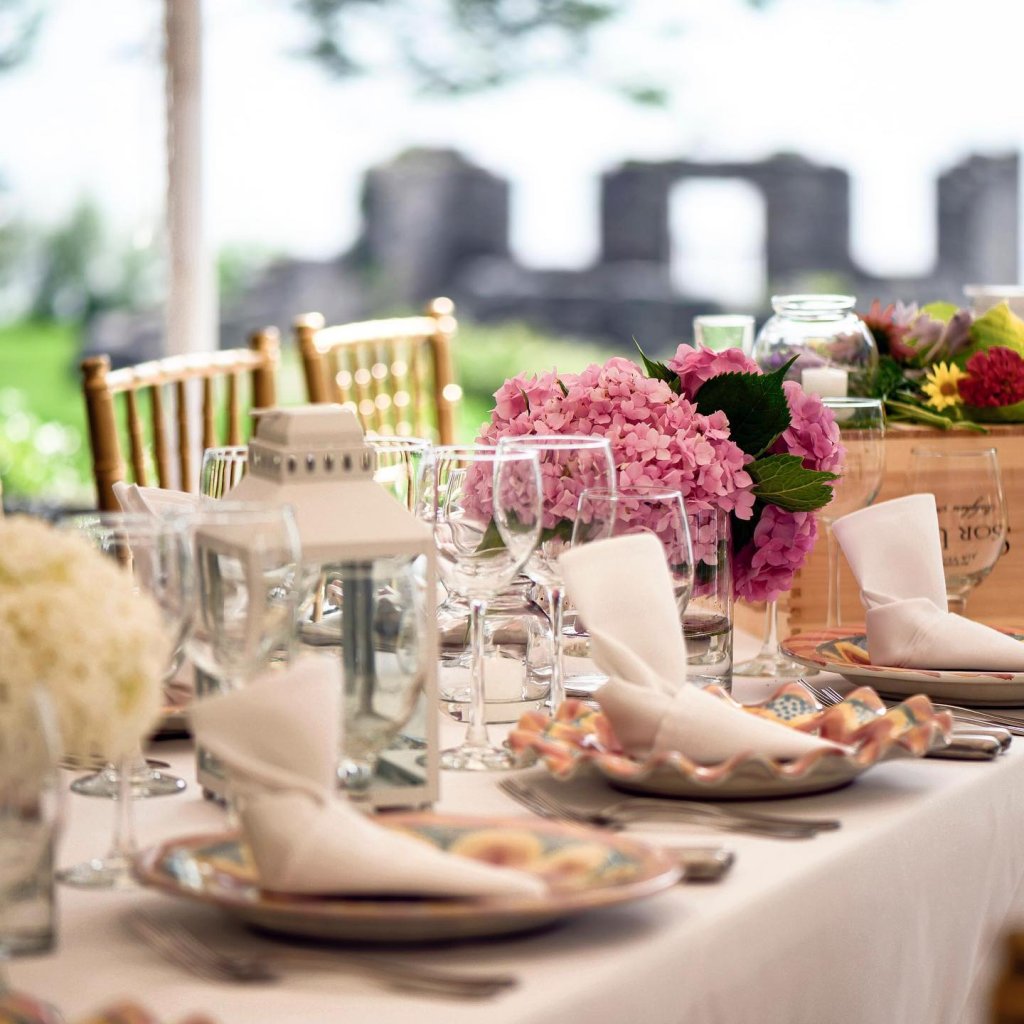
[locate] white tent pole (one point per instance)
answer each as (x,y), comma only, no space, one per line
(190,314)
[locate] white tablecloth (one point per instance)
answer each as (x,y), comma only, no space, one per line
(891,919)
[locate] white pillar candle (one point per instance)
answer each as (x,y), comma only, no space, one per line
(825,381)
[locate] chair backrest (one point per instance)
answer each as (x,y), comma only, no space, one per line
(396,374)
(151,445)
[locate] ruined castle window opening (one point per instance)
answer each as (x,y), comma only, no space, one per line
(717,229)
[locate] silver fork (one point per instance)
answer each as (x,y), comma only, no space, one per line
(711,815)
(181,946)
(828,696)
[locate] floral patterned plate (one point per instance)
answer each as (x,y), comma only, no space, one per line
(585,870)
(846,653)
(580,738)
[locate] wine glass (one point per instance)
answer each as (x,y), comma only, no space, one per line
(484,506)
(569,464)
(605,512)
(222,469)
(400,466)
(968,491)
(156,552)
(861,423)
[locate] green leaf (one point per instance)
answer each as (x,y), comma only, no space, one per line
(659,371)
(888,379)
(755,404)
(998,326)
(782,480)
(491,540)
(561,384)
(526,399)
(944,311)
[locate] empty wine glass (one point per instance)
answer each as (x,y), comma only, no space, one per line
(968,490)
(569,464)
(861,423)
(400,466)
(156,552)
(484,506)
(222,469)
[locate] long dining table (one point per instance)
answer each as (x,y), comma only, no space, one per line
(898,916)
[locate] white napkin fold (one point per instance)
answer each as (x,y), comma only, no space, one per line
(156,501)
(623,591)
(895,552)
(277,739)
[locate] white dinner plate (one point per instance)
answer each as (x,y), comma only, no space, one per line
(845,652)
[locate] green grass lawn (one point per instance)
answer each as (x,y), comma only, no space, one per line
(43,443)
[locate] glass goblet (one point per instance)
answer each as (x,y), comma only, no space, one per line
(861,423)
(605,512)
(569,464)
(156,552)
(968,490)
(222,468)
(400,466)
(484,507)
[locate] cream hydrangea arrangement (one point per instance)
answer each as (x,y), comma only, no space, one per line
(72,621)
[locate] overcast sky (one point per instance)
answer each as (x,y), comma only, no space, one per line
(893,90)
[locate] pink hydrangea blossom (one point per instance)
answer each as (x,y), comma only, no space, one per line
(658,438)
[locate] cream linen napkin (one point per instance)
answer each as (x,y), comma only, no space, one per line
(623,591)
(278,741)
(157,501)
(895,552)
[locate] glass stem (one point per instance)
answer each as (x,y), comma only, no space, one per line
(124,845)
(957,603)
(834,618)
(770,642)
(556,608)
(476,734)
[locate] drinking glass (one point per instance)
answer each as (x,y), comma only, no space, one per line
(724,330)
(968,491)
(400,466)
(861,423)
(222,469)
(248,577)
(569,464)
(156,552)
(29,821)
(484,506)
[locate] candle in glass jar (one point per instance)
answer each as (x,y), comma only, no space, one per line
(825,381)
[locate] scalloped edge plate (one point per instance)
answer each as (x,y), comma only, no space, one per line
(580,738)
(845,653)
(215,870)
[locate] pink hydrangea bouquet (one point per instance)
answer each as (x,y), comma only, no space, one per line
(709,424)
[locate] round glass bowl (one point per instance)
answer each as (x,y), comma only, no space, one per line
(820,330)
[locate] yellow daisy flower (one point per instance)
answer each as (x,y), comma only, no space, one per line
(940,385)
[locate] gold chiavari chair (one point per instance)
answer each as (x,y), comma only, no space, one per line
(217,375)
(396,374)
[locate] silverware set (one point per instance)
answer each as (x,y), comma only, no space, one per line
(977,735)
(180,946)
(623,813)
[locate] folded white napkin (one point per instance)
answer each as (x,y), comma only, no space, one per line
(278,741)
(895,552)
(623,590)
(157,501)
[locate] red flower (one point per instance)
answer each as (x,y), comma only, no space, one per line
(995,378)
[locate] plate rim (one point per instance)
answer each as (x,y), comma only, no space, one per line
(665,871)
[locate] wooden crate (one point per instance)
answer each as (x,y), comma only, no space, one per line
(998,599)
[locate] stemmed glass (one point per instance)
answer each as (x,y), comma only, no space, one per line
(968,491)
(861,423)
(222,469)
(400,466)
(569,464)
(484,506)
(155,551)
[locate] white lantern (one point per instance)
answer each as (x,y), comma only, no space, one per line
(372,576)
